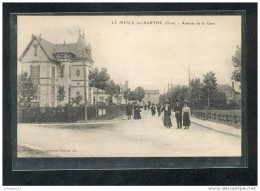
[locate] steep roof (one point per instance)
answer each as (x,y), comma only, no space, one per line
(79,49)
(46,46)
(224,87)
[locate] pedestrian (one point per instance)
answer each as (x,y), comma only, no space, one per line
(144,106)
(137,111)
(159,110)
(178,114)
(128,110)
(153,109)
(186,115)
(167,114)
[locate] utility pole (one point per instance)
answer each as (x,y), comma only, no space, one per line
(189,85)
(85,92)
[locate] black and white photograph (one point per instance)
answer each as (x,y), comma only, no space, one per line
(129,86)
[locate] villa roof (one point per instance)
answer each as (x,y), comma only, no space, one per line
(79,49)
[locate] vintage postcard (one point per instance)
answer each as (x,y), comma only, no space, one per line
(129,86)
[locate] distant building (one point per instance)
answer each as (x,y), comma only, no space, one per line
(231,94)
(54,65)
(103,97)
(151,96)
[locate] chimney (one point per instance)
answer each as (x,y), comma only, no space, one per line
(126,85)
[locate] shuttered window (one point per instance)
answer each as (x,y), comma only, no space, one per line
(35,73)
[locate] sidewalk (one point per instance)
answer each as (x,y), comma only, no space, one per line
(222,128)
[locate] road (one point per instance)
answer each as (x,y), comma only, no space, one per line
(124,138)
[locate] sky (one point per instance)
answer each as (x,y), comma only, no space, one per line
(146,51)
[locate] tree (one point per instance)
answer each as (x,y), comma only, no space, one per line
(179,93)
(139,93)
(132,96)
(112,89)
(236,61)
(26,89)
(98,79)
(61,94)
(218,100)
(209,85)
(196,91)
(77,100)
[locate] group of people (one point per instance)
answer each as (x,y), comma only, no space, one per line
(153,109)
(129,111)
(182,113)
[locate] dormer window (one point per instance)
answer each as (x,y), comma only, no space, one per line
(63,57)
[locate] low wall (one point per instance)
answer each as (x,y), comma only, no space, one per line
(67,114)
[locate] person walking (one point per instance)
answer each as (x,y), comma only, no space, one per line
(137,111)
(159,110)
(178,114)
(167,114)
(186,115)
(128,110)
(153,110)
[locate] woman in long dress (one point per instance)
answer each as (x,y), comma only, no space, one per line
(153,109)
(137,111)
(186,116)
(167,114)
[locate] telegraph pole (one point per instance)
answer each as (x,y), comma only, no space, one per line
(85,92)
(189,85)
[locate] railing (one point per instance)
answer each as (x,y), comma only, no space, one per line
(227,118)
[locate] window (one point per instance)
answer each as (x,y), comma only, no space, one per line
(35,73)
(61,71)
(53,72)
(70,72)
(39,93)
(53,93)
(101,99)
(78,73)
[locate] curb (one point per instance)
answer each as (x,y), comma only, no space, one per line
(219,131)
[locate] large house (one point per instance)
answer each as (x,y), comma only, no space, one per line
(52,66)
(151,96)
(231,94)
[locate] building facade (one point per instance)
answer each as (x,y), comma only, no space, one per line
(52,66)
(102,97)
(151,96)
(231,94)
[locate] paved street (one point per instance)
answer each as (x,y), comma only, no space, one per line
(123,138)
